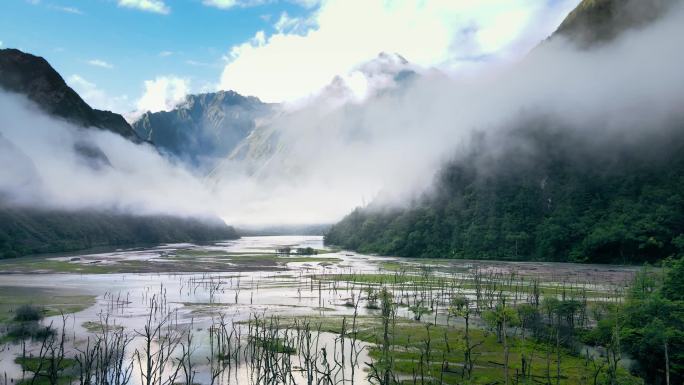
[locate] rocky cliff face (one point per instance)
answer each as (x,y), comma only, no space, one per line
(204,127)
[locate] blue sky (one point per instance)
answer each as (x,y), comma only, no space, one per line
(190,41)
(130,55)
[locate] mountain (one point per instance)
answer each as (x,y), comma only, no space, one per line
(25,231)
(548,195)
(597,21)
(539,190)
(28,229)
(283,144)
(34,77)
(204,127)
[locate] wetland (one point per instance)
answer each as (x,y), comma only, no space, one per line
(288,310)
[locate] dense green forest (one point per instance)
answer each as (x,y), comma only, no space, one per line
(652,325)
(539,193)
(26,231)
(648,327)
(543,192)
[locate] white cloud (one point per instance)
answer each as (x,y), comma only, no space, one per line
(165,53)
(163,93)
(72,10)
(316,163)
(306,3)
(156,6)
(287,24)
(0,43)
(76,81)
(159,94)
(196,63)
(96,97)
(100,63)
(328,160)
(293,63)
(34,163)
(227,4)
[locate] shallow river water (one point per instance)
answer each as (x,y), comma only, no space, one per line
(282,286)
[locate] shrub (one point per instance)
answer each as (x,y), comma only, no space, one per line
(26,313)
(32,329)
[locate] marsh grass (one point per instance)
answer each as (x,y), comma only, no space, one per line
(418,325)
(52,301)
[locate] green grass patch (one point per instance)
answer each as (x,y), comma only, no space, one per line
(66,370)
(98,327)
(274,345)
(446,354)
(327,251)
(375,279)
(418,280)
(214,262)
(53,301)
(394,266)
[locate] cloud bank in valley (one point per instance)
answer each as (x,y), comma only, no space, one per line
(50,163)
(331,158)
(336,151)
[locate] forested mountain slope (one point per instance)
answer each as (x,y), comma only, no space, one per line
(30,231)
(563,201)
(33,227)
(543,191)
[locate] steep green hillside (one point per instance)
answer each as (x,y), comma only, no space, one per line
(541,192)
(547,196)
(28,231)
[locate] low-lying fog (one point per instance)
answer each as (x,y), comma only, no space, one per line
(335,152)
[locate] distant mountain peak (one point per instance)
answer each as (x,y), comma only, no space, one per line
(33,77)
(386,64)
(227,97)
(392,57)
(204,127)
